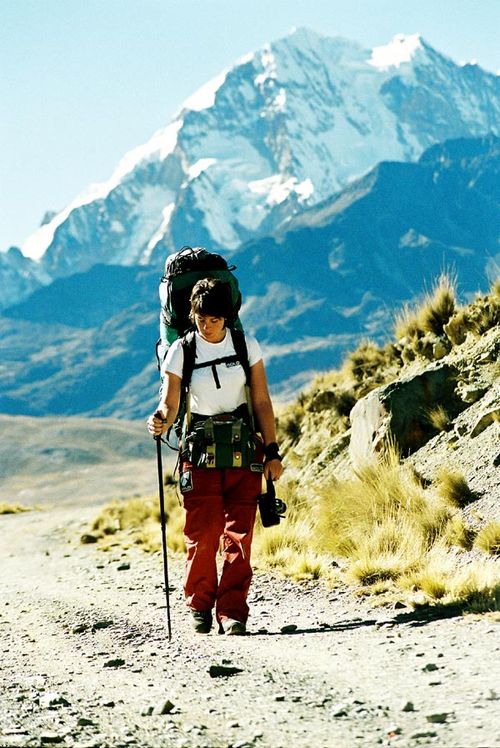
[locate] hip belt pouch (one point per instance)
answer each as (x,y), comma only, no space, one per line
(221,442)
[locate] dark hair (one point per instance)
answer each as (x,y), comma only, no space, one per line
(211,296)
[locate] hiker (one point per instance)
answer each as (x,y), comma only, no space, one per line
(219,502)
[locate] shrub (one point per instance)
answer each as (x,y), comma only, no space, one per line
(438,307)
(429,316)
(136,521)
(488,539)
(6,508)
(439,418)
(454,489)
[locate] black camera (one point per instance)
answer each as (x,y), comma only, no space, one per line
(271,509)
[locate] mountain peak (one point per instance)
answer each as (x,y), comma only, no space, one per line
(301,35)
(283,128)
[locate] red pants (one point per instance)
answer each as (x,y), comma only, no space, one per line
(219,503)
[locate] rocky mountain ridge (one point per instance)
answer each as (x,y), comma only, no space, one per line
(85,344)
(284,129)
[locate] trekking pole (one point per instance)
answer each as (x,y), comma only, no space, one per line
(163,530)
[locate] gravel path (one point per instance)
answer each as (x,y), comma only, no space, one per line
(85,659)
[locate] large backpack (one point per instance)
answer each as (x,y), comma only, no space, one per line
(182,270)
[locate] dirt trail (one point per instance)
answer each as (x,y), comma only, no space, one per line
(85,659)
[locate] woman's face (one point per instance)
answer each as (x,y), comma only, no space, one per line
(212,329)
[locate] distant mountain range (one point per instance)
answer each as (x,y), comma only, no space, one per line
(279,133)
(327,277)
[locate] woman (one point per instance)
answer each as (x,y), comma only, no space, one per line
(219,502)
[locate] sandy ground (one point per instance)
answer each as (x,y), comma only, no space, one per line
(86,661)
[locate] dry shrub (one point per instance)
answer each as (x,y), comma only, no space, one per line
(6,508)
(439,418)
(289,424)
(438,307)
(488,539)
(406,325)
(473,586)
(476,587)
(381,521)
(429,316)
(136,522)
(367,364)
(453,488)
(458,533)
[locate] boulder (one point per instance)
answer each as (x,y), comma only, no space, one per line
(399,412)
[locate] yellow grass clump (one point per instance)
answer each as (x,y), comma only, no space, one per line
(386,534)
(6,508)
(136,522)
(453,488)
(439,418)
(488,539)
(431,315)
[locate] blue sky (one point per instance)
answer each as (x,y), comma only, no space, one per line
(84,81)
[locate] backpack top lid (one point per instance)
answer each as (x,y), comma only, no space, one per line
(182,270)
(190,259)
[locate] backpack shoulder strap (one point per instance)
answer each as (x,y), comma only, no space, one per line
(240,346)
(189,350)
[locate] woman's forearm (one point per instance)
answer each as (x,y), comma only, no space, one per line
(264,417)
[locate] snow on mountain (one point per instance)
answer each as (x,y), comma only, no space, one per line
(401,49)
(279,132)
(333,275)
(159,146)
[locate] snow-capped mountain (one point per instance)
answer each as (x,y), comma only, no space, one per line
(85,343)
(281,131)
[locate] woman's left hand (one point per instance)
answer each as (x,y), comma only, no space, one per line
(273,469)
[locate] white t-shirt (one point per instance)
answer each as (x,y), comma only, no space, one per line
(206,398)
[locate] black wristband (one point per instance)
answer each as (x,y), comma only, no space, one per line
(271,452)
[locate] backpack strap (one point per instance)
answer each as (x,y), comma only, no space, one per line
(189,365)
(188,343)
(240,346)
(189,351)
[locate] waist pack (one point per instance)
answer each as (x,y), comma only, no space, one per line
(222,441)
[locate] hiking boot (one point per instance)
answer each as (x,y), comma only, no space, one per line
(230,627)
(202,621)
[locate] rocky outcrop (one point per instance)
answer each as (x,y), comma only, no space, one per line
(464,382)
(401,412)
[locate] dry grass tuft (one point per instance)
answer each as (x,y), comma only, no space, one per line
(6,508)
(454,489)
(430,316)
(439,306)
(439,418)
(136,522)
(488,539)
(477,587)
(457,327)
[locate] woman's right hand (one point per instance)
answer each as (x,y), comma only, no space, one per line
(156,423)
